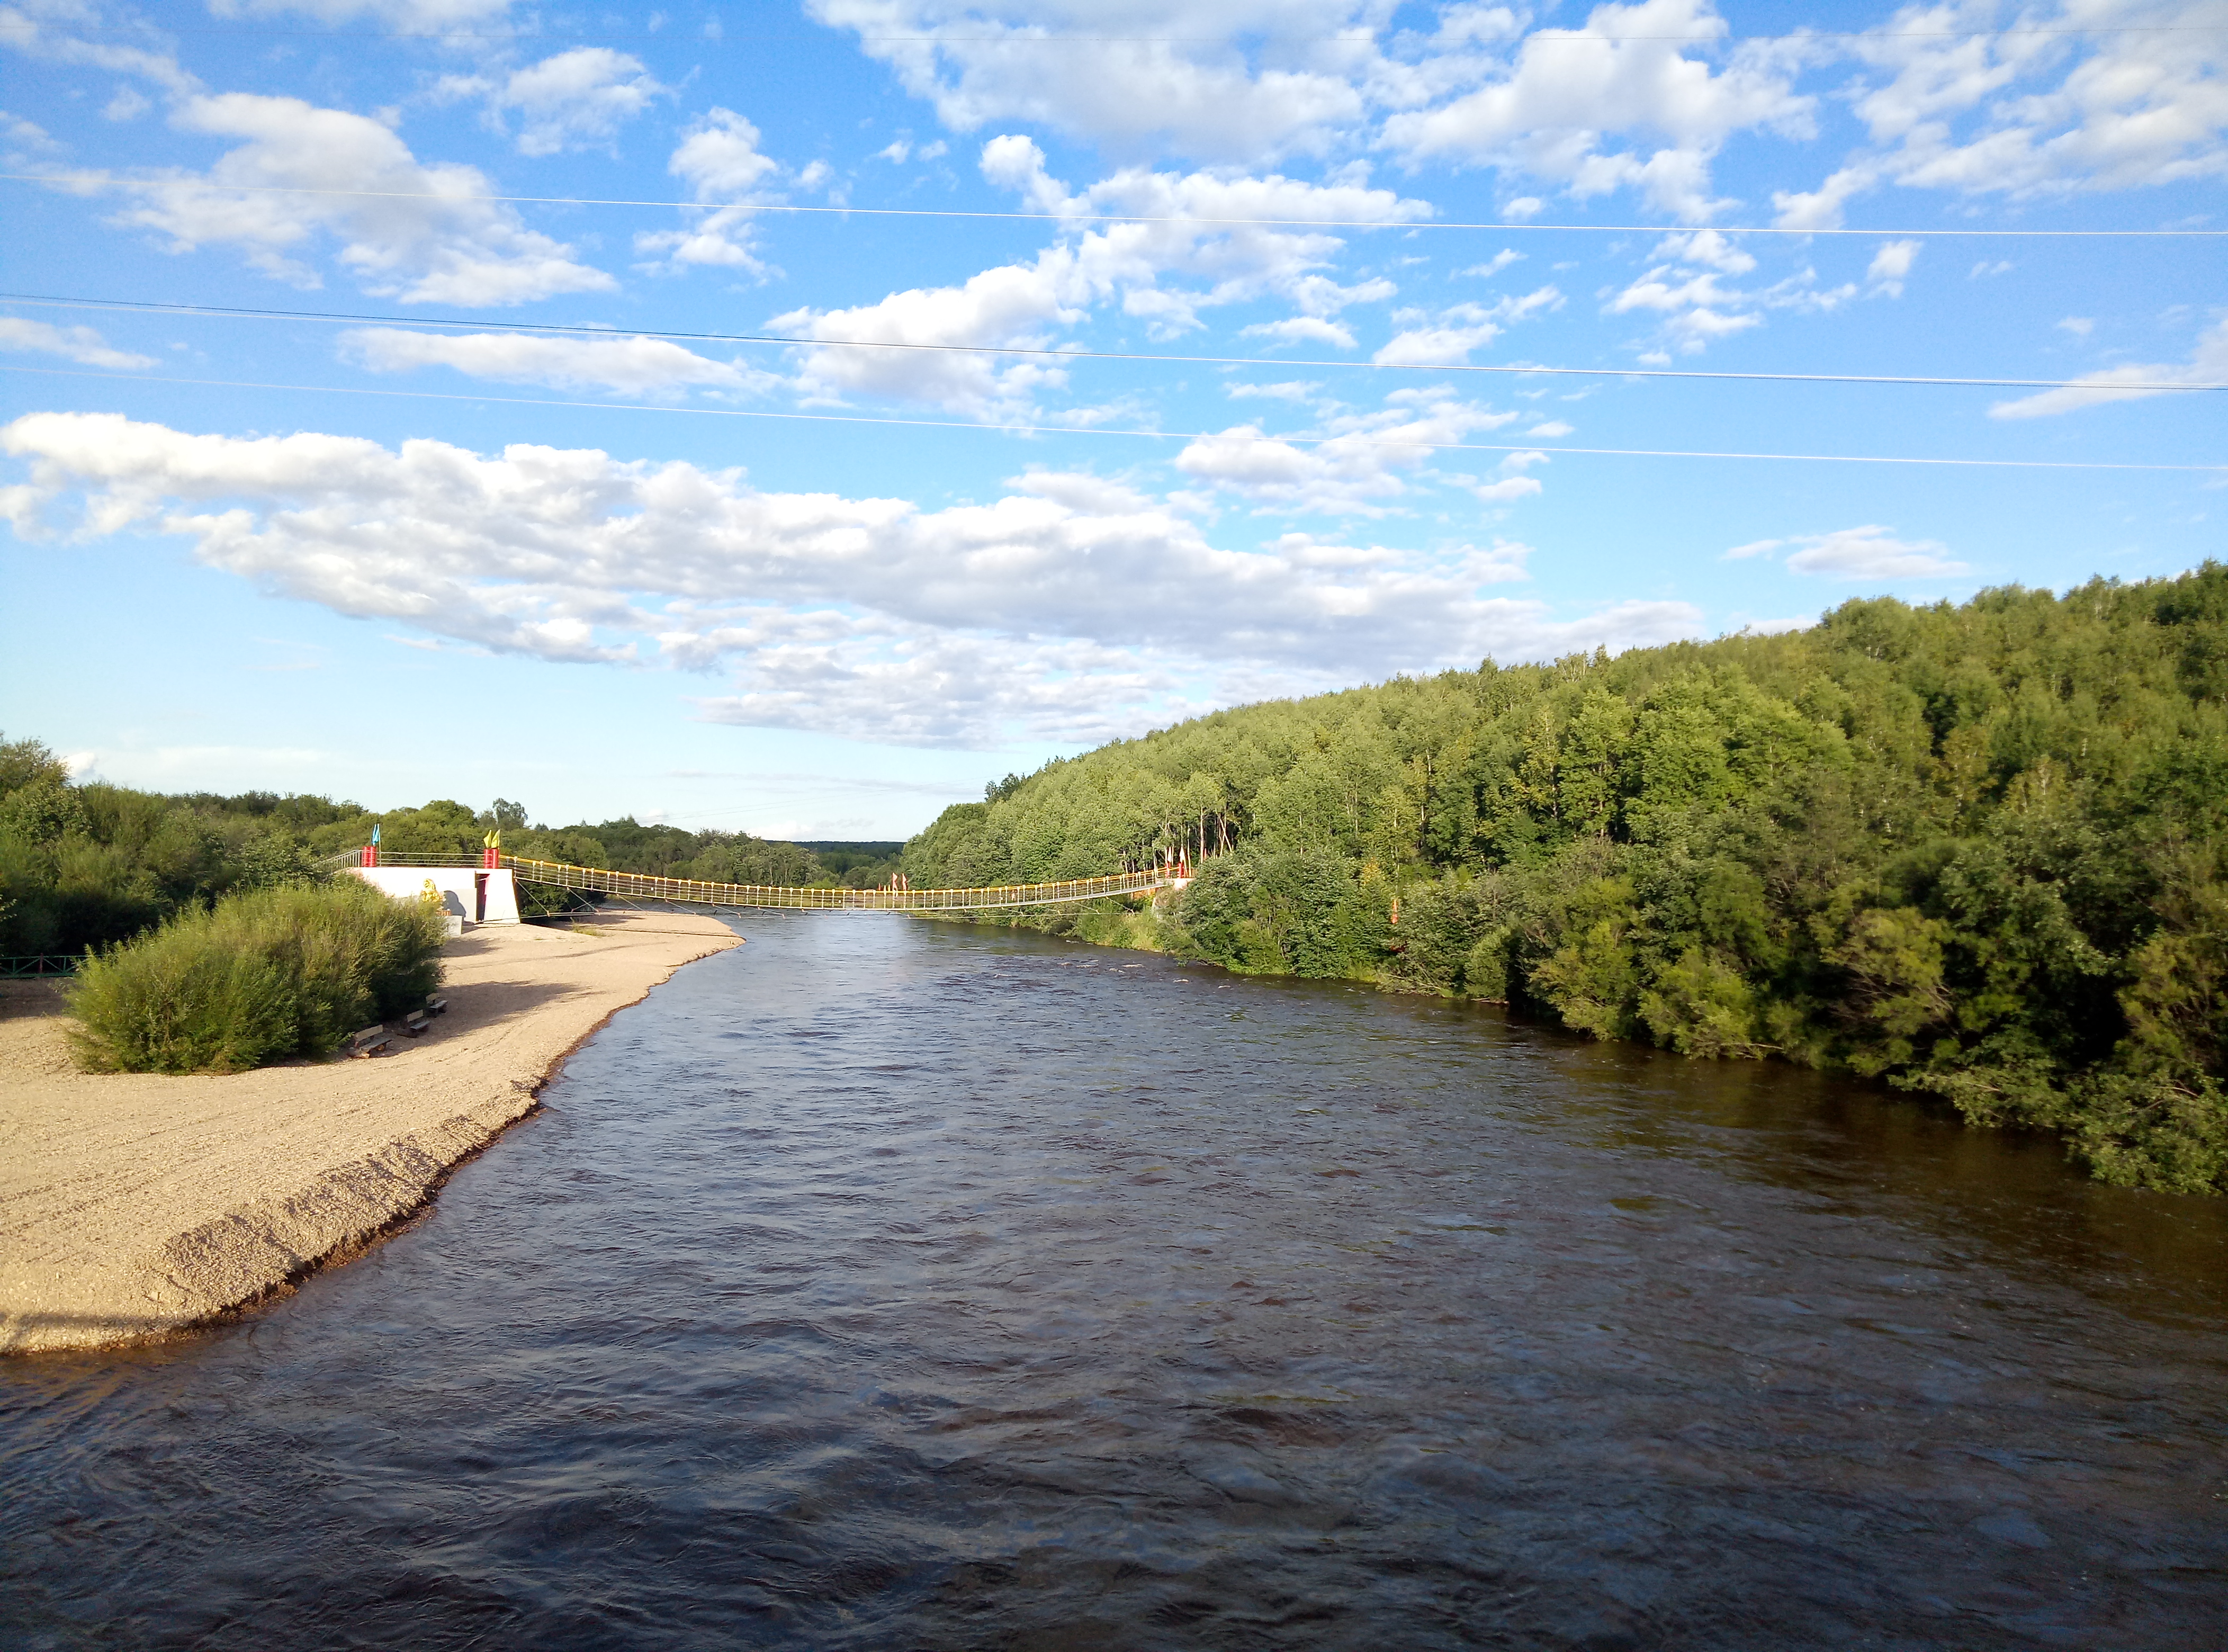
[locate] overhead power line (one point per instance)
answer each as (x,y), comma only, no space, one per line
(1352,439)
(113,180)
(1275,364)
(1546,36)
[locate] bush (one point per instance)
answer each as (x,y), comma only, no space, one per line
(290,970)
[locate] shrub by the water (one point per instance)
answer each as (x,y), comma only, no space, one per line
(290,970)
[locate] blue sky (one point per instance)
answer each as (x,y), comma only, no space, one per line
(820,591)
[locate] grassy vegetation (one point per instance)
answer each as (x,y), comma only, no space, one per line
(261,976)
(1978,851)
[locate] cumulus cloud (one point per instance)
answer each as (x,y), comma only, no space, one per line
(632,366)
(1553,111)
(1363,463)
(1227,80)
(1508,490)
(1455,331)
(1495,264)
(1889,266)
(27,142)
(407,229)
(1695,292)
(2047,108)
(48,39)
(720,159)
(411,14)
(575,99)
(2208,365)
(2104,94)
(80,344)
(1024,305)
(1868,552)
(822,604)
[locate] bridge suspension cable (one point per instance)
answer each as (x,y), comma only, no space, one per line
(698,893)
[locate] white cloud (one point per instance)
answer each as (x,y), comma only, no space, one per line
(633,366)
(24,140)
(1547,114)
(80,344)
(1754,548)
(575,99)
(1229,80)
(1693,293)
(719,158)
(448,248)
(2079,326)
(1359,468)
(1549,430)
(1508,490)
(46,39)
(901,149)
(1698,311)
(2208,365)
(1024,305)
(1891,266)
(409,15)
(1706,249)
(1289,390)
(1987,267)
(1302,330)
(1870,553)
(1495,264)
(1083,595)
(1459,329)
(2093,94)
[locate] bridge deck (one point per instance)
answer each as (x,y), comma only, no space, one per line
(641,886)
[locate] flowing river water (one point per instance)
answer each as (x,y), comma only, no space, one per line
(892,1284)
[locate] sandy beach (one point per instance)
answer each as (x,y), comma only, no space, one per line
(132,1205)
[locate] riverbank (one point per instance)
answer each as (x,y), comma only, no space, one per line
(135,1204)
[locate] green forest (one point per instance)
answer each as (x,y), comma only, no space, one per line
(85,866)
(1974,851)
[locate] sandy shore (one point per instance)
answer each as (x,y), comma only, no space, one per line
(131,1205)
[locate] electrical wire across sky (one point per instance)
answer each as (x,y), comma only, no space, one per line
(123,181)
(1355,439)
(142,306)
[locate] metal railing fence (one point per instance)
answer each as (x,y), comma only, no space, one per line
(34,964)
(641,886)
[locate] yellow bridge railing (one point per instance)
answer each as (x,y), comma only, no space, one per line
(644,887)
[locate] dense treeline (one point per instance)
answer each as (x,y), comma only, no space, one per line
(1975,851)
(88,866)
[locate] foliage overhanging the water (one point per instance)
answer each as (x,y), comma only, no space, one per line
(1974,850)
(264,975)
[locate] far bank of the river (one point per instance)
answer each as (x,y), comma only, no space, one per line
(134,1204)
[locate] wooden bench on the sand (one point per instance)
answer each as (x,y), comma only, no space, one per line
(372,1040)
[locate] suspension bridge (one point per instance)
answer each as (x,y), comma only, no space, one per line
(638,886)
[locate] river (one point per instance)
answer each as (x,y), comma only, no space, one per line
(890,1284)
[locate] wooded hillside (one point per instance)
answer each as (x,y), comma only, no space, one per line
(1973,850)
